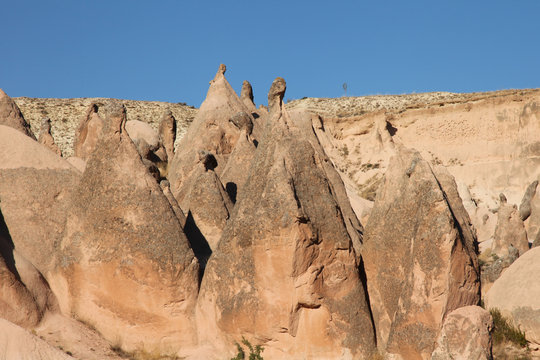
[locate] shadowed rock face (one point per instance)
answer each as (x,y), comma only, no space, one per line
(125,258)
(419,256)
(10,115)
(285,273)
(88,133)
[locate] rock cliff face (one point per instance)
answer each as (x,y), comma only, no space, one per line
(419,257)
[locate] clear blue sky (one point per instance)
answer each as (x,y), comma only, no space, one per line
(168,50)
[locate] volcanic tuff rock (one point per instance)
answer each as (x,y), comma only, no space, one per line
(465,335)
(295,286)
(45,136)
(525,206)
(167,133)
(11,115)
(211,131)
(517,294)
(17,343)
(419,257)
(125,259)
(510,231)
(88,133)
(34,184)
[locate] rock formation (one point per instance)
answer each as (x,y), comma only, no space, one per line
(207,206)
(465,335)
(419,256)
(125,259)
(34,184)
(510,230)
(88,133)
(517,295)
(211,131)
(167,133)
(285,273)
(525,206)
(45,136)
(10,115)
(246,95)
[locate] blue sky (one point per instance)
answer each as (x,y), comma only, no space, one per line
(168,50)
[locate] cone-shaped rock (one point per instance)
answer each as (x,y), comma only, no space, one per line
(246,95)
(88,133)
(126,266)
(210,131)
(45,137)
(419,257)
(10,115)
(285,273)
(34,184)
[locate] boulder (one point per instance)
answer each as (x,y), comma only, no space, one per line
(419,256)
(17,343)
(510,230)
(285,274)
(45,137)
(516,293)
(167,133)
(10,115)
(88,133)
(126,267)
(465,335)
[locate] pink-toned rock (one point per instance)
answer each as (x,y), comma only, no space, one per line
(167,133)
(516,293)
(34,184)
(419,256)
(211,131)
(10,115)
(17,343)
(465,335)
(285,273)
(45,137)
(207,206)
(88,133)
(77,163)
(510,231)
(126,266)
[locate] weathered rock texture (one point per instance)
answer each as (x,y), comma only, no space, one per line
(285,273)
(10,115)
(419,257)
(517,294)
(34,184)
(88,133)
(510,231)
(211,131)
(167,133)
(525,206)
(126,266)
(45,136)
(465,335)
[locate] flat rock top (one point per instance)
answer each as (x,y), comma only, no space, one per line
(65,115)
(359,105)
